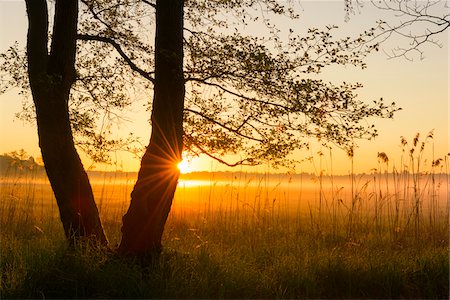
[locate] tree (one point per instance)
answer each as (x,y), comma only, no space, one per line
(152,195)
(216,90)
(51,76)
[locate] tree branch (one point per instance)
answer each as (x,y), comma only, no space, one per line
(96,16)
(415,12)
(37,38)
(236,131)
(243,162)
(149,3)
(236,94)
(63,45)
(133,66)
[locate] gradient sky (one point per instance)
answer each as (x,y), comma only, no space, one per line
(419,87)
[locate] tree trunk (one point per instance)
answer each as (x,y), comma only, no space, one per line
(51,77)
(152,195)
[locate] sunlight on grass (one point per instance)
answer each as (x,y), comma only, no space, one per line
(243,235)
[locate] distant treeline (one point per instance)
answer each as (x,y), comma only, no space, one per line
(19,163)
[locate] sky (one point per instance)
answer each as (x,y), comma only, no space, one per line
(420,87)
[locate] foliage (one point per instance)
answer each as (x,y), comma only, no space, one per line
(258,96)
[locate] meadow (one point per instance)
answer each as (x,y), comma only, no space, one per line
(242,235)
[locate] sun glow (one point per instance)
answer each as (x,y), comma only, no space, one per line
(184,166)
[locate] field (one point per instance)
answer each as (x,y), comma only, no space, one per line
(241,235)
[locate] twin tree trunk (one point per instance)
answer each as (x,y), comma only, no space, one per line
(152,195)
(51,77)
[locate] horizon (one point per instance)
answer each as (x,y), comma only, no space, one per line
(443,171)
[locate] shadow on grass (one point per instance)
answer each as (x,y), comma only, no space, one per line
(95,273)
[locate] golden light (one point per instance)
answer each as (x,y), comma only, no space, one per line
(184,166)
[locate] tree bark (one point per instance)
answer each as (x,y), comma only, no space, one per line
(51,77)
(151,199)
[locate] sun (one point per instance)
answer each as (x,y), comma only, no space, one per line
(184,166)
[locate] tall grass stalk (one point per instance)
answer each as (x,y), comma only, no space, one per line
(380,235)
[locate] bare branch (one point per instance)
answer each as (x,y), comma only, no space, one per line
(411,14)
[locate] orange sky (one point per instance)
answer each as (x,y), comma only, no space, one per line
(419,87)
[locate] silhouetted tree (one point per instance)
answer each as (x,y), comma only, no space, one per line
(51,75)
(216,90)
(152,195)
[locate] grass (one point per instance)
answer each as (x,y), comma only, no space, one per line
(209,262)
(379,236)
